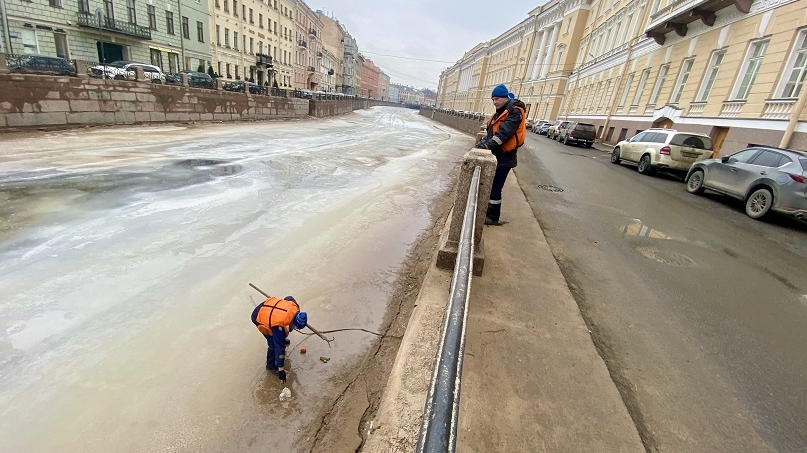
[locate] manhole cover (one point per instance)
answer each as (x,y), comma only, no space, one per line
(549,188)
(666,256)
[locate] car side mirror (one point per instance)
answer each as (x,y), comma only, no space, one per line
(724,159)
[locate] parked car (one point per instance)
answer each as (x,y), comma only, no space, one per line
(125,70)
(765,178)
(666,149)
(195,79)
(554,130)
(40,64)
(530,123)
(239,86)
(578,134)
(537,125)
(543,129)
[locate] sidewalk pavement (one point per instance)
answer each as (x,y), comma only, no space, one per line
(532,380)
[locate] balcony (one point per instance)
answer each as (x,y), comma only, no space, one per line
(732,109)
(311,69)
(312,32)
(778,109)
(319,54)
(696,109)
(263,60)
(112,25)
(302,43)
(678,15)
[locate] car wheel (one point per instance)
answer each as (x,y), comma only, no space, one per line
(615,156)
(695,182)
(566,141)
(118,77)
(644,165)
(759,203)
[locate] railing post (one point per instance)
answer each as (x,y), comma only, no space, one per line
(449,244)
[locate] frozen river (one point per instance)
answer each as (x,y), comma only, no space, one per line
(125,258)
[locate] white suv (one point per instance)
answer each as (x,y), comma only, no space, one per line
(667,149)
(125,70)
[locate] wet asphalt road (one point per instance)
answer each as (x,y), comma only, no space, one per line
(125,258)
(699,311)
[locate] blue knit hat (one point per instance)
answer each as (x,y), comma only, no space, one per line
(500,91)
(511,96)
(300,320)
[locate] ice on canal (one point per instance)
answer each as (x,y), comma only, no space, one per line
(125,258)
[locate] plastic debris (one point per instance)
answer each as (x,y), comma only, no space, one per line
(302,350)
(325,359)
(285,394)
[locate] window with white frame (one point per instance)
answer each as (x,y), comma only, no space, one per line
(683,76)
(624,97)
(605,92)
(628,20)
(750,69)
(640,88)
(794,75)
(560,58)
(662,77)
(711,75)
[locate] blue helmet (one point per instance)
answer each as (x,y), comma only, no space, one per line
(300,320)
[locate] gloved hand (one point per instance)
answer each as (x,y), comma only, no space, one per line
(483,144)
(282,375)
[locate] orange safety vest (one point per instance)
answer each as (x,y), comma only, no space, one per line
(518,138)
(276,313)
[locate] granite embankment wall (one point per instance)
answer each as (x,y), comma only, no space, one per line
(464,122)
(38,100)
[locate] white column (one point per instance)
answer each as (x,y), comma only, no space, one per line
(550,52)
(538,69)
(533,57)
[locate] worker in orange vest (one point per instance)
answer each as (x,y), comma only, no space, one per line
(275,319)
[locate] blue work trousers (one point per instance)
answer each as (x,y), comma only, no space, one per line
(495,203)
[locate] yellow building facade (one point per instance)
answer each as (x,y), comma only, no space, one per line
(733,70)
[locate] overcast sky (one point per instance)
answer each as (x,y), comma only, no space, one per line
(398,35)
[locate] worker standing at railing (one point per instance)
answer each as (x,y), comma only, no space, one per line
(506,132)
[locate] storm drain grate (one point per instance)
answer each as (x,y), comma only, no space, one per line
(550,188)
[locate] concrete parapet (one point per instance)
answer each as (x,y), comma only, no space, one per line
(140,75)
(449,243)
(184,78)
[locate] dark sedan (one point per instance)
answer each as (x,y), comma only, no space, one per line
(40,64)
(195,79)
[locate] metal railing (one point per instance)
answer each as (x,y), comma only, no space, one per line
(109,24)
(438,429)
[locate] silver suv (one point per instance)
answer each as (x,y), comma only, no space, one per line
(125,70)
(555,128)
(765,178)
(667,149)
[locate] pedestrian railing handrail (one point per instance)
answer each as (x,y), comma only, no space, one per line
(438,429)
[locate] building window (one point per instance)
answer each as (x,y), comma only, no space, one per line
(251,43)
(711,75)
(226,6)
(55,3)
(237,75)
(260,20)
(250,16)
(750,69)
(218,5)
(200,32)
(84,6)
(110,10)
(605,92)
(219,69)
(560,58)
(796,68)
(243,11)
(626,90)
(229,75)
(642,82)
(152,13)
(132,12)
(235,40)
(218,35)
(156,58)
(235,8)
(186,28)
(169,22)
(568,24)
(662,77)
(227,41)
(683,76)
(173,62)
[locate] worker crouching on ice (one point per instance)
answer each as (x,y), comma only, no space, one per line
(275,319)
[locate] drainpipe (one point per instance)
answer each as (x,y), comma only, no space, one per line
(7,34)
(794,118)
(616,89)
(182,34)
